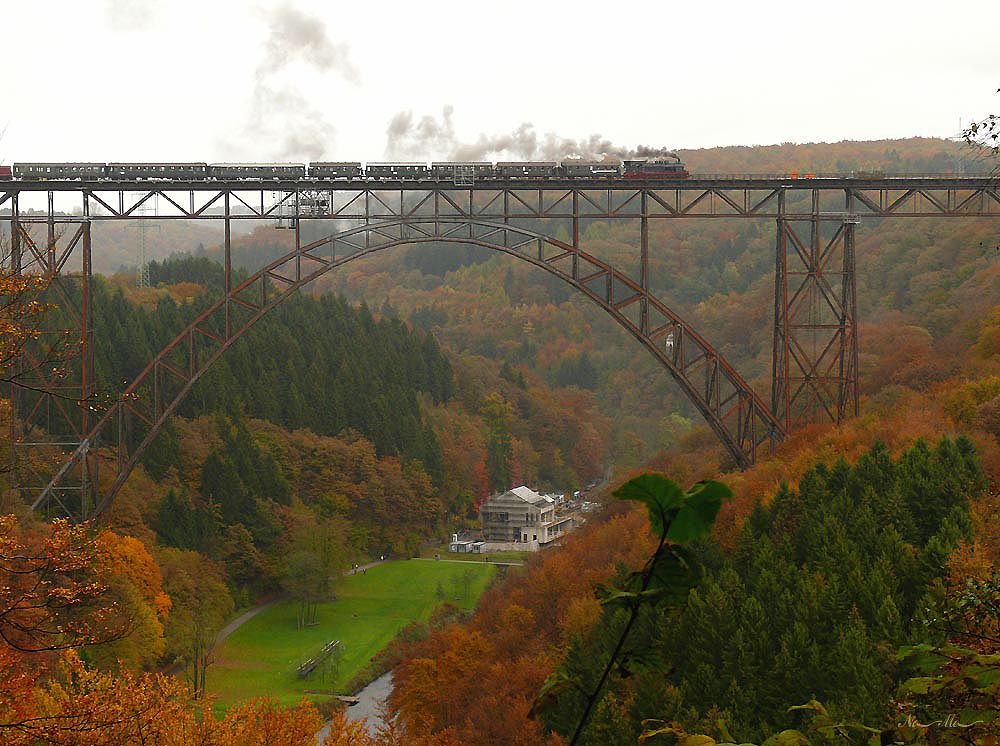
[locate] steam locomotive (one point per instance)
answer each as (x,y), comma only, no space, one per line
(662,168)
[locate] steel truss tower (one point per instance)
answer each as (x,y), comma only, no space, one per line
(815,358)
(52,403)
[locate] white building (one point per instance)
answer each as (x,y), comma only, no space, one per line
(522,515)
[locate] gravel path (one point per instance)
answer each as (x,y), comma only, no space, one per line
(243,618)
(249,614)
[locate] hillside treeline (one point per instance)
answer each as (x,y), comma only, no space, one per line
(315,363)
(922,283)
(827,581)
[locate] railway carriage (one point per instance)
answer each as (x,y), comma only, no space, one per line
(526,169)
(455,170)
(336,170)
(257,171)
(157,171)
(59,171)
(397,171)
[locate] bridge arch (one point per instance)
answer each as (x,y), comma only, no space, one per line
(732,409)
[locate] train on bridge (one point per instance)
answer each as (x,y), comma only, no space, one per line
(664,168)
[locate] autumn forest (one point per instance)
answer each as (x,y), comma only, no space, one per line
(846,588)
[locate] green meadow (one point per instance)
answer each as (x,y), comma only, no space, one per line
(261,657)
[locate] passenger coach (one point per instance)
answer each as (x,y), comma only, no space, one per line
(64,171)
(336,170)
(257,171)
(157,171)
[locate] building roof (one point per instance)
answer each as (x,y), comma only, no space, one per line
(530,496)
(520,495)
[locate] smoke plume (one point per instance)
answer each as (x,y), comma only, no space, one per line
(295,36)
(430,137)
(130,15)
(281,117)
(408,140)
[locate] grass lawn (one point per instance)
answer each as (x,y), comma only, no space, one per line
(260,658)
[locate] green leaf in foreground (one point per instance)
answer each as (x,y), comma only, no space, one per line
(556,683)
(682,516)
(661,496)
(674,574)
(699,507)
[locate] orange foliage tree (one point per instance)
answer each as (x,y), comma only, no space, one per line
(135,581)
(477,683)
(84,707)
(53,596)
(62,588)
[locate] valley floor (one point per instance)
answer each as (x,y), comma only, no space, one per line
(260,658)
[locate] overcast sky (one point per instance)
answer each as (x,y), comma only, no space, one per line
(179,80)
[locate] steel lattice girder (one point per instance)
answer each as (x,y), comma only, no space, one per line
(54,406)
(696,198)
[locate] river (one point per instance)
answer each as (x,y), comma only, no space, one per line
(370,698)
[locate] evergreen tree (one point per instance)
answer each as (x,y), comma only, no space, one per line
(315,363)
(823,587)
(163,453)
(497,413)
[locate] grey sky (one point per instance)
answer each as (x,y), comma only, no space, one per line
(302,79)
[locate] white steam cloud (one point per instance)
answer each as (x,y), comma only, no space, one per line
(431,137)
(130,15)
(281,119)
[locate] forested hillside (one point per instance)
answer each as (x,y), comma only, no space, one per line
(826,582)
(311,363)
(331,415)
(839,562)
(329,434)
(920,281)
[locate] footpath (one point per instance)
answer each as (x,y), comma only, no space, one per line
(249,614)
(243,618)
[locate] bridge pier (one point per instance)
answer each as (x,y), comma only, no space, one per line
(815,354)
(52,398)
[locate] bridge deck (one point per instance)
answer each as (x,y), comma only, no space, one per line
(834,198)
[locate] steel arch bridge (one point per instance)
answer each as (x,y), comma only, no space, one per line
(815,338)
